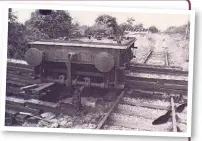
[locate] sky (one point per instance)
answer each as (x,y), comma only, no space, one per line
(161,21)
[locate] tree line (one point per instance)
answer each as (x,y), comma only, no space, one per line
(182,30)
(59,25)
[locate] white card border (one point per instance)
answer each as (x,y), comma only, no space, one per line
(89,131)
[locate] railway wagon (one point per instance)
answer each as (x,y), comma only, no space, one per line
(86,62)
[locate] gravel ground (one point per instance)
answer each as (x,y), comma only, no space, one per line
(143,45)
(111,127)
(125,117)
(141,111)
(141,118)
(117,121)
(178,51)
(146,101)
(183,116)
(64,121)
(88,119)
(156,59)
(138,122)
(183,127)
(157,76)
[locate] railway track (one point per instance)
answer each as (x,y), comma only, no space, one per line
(143,81)
(133,114)
(146,79)
(158,58)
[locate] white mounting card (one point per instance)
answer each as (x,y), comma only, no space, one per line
(166,16)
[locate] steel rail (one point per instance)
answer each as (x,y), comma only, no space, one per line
(147,56)
(102,122)
(166,59)
(174,126)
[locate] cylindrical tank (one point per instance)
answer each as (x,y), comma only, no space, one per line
(34,57)
(104,62)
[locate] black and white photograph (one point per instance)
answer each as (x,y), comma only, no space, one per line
(116,71)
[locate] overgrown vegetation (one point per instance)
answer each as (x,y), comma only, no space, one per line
(183,30)
(57,24)
(16,37)
(153,29)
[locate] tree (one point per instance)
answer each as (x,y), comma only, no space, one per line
(183,30)
(56,24)
(124,27)
(109,23)
(106,20)
(76,30)
(16,39)
(34,34)
(138,26)
(88,31)
(187,34)
(130,21)
(11,17)
(153,29)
